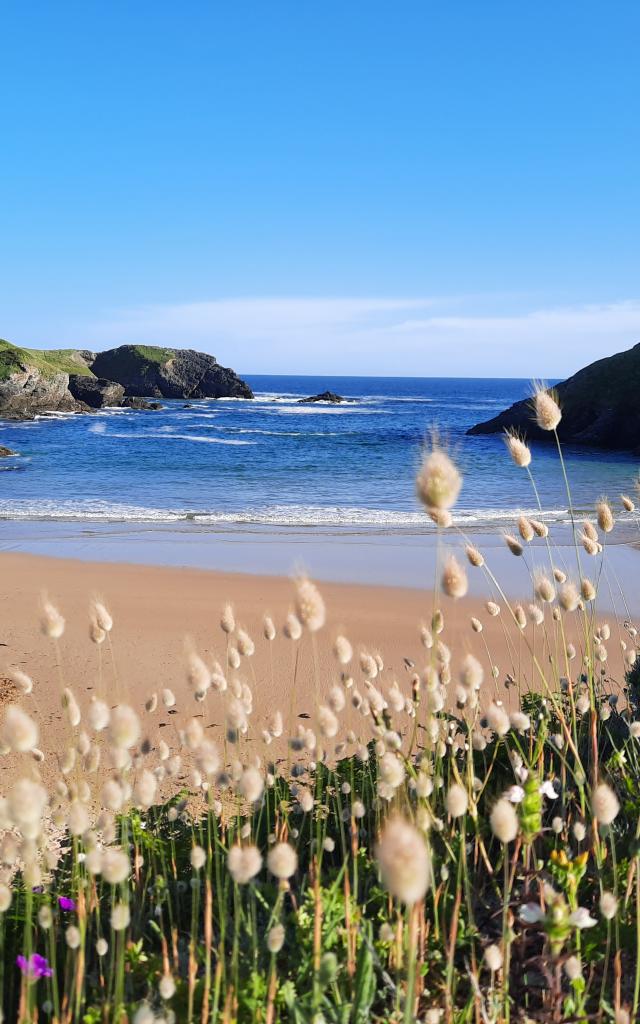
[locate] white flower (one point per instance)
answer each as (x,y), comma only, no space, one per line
(531,913)
(515,794)
(547,790)
(581,918)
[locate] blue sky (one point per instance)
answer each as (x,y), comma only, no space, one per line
(411,188)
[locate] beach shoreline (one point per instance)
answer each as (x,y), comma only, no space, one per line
(156,608)
(405,558)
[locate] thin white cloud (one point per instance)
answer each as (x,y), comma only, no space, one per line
(400,336)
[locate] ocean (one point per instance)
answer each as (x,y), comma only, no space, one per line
(274,463)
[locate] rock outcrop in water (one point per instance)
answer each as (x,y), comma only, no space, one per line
(599,407)
(324,396)
(6,452)
(73,380)
(95,392)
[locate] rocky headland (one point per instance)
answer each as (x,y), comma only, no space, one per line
(599,407)
(75,380)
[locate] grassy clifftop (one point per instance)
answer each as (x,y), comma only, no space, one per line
(13,359)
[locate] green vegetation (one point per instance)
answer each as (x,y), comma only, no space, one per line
(153,354)
(14,359)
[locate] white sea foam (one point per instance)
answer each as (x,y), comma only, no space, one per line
(163,434)
(274,515)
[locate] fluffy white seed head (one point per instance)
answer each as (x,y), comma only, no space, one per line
(518,450)
(568,596)
(227,620)
(546,408)
(474,557)
(504,821)
(124,727)
(457,800)
(310,607)
(101,616)
(51,621)
(115,866)
(604,513)
(514,545)
(438,482)
(498,719)
(292,627)
(120,917)
(19,731)
(343,650)
(98,714)
(244,863)
(21,680)
(404,861)
(282,861)
(604,803)
(454,578)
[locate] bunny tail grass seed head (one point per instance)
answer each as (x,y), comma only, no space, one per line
(457,800)
(546,408)
(19,731)
(604,803)
(604,513)
(310,607)
(454,578)
(438,482)
(504,821)
(404,860)
(518,450)
(474,557)
(282,861)
(51,621)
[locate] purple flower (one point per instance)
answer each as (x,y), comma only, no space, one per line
(66,903)
(35,967)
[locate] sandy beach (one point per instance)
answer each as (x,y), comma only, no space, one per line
(155,609)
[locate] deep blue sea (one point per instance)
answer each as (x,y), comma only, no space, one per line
(273,462)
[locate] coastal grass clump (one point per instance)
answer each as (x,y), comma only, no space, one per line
(459,846)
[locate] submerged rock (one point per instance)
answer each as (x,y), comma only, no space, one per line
(599,407)
(132,402)
(325,396)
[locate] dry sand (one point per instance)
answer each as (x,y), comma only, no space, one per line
(155,609)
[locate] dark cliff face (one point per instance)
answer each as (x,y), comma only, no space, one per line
(169,373)
(599,407)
